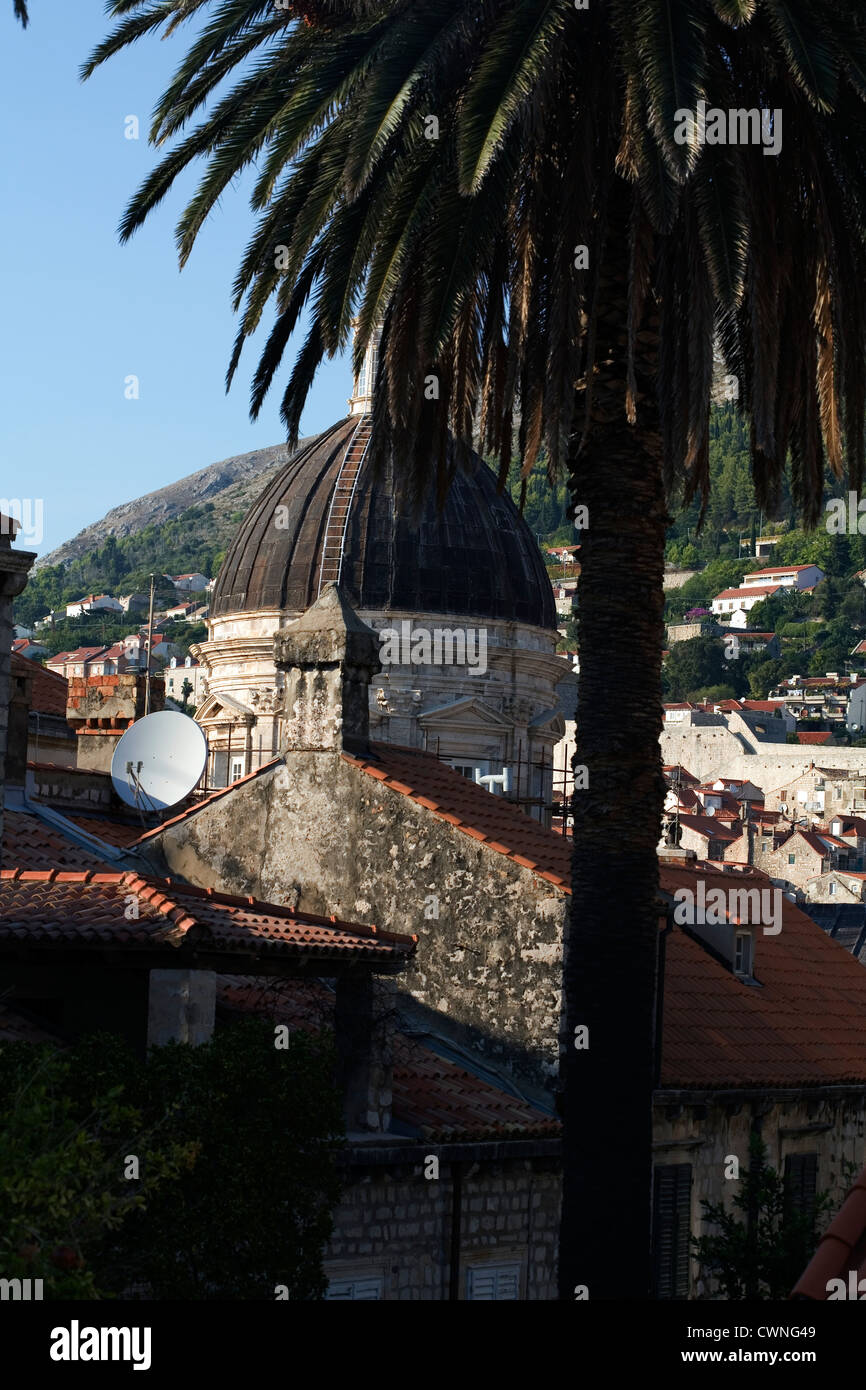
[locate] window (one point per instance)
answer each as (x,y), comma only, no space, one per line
(237,769)
(792,859)
(493,1283)
(356,1290)
(801,1180)
(783,795)
(672,1210)
(743,953)
(465,770)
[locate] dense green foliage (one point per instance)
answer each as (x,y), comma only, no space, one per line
(184,545)
(62,1150)
(761,1246)
(236,1142)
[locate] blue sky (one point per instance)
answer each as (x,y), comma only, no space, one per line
(81,313)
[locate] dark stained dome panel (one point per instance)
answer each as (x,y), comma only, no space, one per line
(476,558)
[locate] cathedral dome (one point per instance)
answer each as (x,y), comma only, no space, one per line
(323,517)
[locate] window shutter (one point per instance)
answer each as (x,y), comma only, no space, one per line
(672,1209)
(493,1283)
(801,1183)
(354,1290)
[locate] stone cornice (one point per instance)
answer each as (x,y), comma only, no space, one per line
(15,566)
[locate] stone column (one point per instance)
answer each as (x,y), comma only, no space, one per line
(14,568)
(181,1006)
(364,1060)
(329,658)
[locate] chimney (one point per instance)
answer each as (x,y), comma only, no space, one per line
(329,657)
(101,708)
(14,568)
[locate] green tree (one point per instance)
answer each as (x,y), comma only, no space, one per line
(255,1210)
(62,1184)
(546,245)
(693,664)
(762,1244)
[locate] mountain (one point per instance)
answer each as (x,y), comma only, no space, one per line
(231,486)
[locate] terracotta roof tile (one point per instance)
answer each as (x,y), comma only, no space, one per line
(478,813)
(89,909)
(114,832)
(49,687)
(31,844)
(434,1095)
(803,1027)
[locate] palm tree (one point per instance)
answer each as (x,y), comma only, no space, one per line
(501,184)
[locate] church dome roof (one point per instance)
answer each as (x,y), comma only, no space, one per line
(324,517)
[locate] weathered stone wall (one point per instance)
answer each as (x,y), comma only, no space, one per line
(397,1224)
(319,834)
(14,568)
(831,1123)
(709,752)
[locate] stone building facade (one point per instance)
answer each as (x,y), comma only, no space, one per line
(485,1229)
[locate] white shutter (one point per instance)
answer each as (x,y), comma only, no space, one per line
(354,1290)
(493,1283)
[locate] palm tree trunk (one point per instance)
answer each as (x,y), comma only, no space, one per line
(611,946)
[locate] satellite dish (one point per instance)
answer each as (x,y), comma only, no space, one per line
(159,760)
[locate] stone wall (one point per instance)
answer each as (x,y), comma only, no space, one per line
(396,1224)
(830,1122)
(14,568)
(319,834)
(709,753)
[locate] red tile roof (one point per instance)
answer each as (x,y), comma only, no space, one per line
(88,910)
(817,737)
(670,769)
(712,827)
(488,818)
(841,1250)
(446,1101)
(49,687)
(752,589)
(812,838)
(447,794)
(781,569)
(80,655)
(28,843)
(122,834)
(850,825)
(434,1095)
(804,1027)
